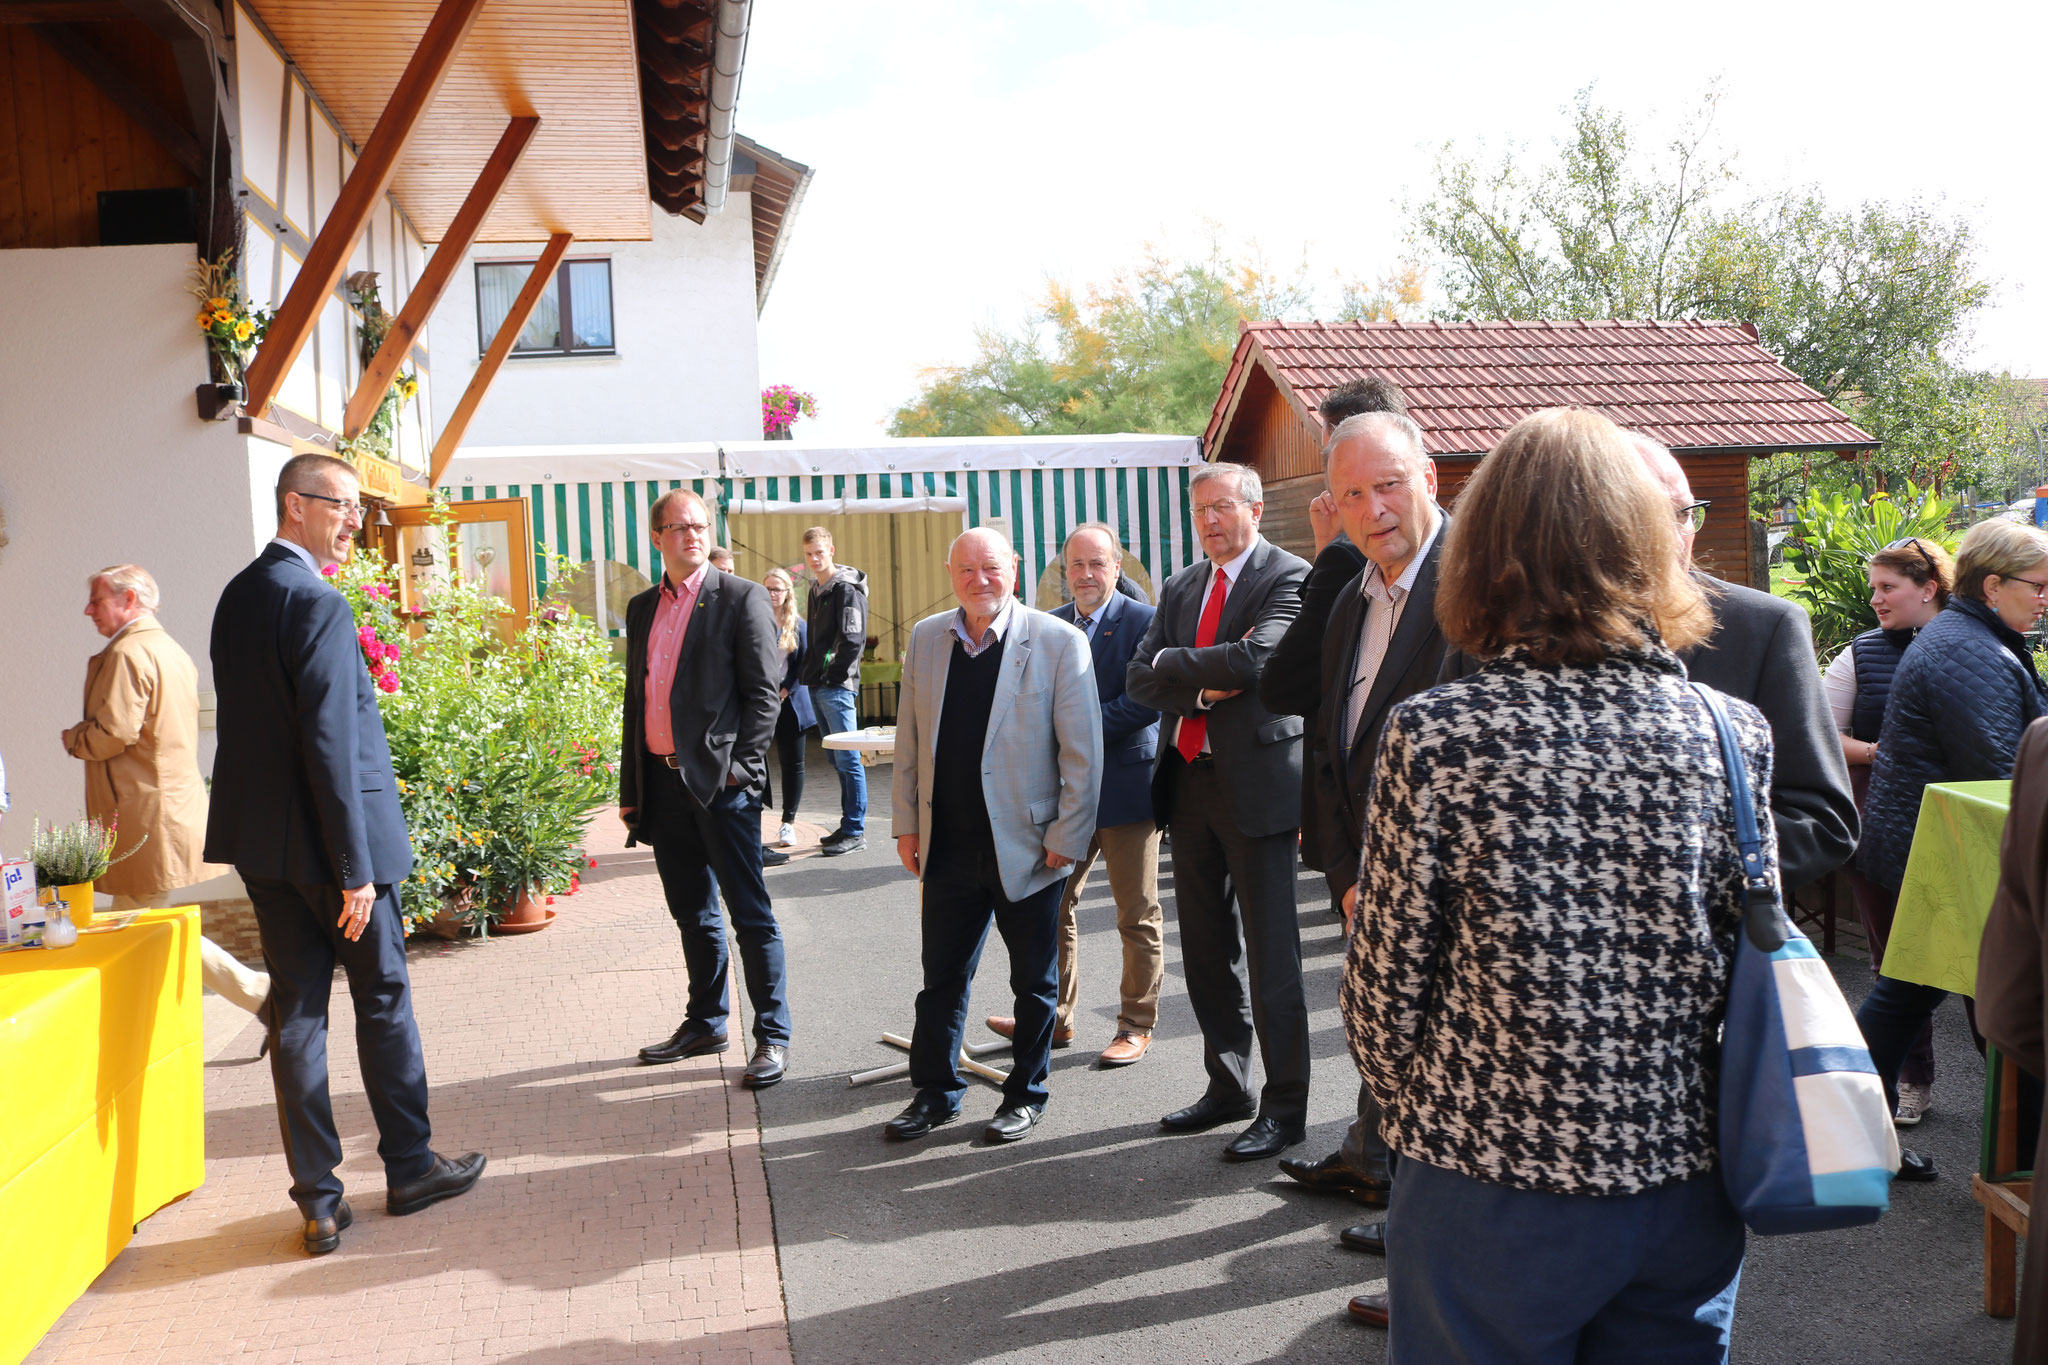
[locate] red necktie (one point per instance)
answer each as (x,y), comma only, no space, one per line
(1195,729)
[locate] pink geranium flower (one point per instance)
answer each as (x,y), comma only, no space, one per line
(387,681)
(330,571)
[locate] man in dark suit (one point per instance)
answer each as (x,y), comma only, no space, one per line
(1126,835)
(305,806)
(1383,645)
(1293,681)
(1761,651)
(1227,786)
(703,671)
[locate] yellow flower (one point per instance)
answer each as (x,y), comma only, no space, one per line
(244,330)
(205,319)
(218,304)
(223,319)
(1875,496)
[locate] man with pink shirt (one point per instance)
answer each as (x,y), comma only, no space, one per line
(703,669)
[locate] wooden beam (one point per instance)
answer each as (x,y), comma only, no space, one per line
(74,47)
(62,11)
(501,346)
(433,281)
(360,195)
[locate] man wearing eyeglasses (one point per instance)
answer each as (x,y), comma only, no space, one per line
(305,807)
(1761,651)
(1226,786)
(703,678)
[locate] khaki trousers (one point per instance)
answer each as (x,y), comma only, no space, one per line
(219,971)
(1132,853)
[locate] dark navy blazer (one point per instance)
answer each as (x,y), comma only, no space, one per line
(302,783)
(1130,731)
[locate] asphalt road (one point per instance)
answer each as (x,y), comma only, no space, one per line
(1099,1238)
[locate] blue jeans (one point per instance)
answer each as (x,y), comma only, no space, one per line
(835,709)
(701,851)
(1487,1275)
(962,892)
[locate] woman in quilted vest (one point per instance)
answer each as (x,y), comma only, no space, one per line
(1960,698)
(1545,930)
(1910,582)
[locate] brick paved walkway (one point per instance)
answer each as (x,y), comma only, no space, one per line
(624,1215)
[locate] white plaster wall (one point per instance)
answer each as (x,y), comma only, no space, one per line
(683,318)
(103,460)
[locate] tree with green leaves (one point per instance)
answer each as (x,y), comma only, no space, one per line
(1870,306)
(1147,352)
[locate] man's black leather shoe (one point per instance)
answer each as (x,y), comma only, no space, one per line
(1365,1237)
(1265,1138)
(919,1118)
(853,844)
(1329,1175)
(766,1068)
(691,1040)
(1209,1112)
(324,1234)
(1012,1121)
(1915,1168)
(445,1181)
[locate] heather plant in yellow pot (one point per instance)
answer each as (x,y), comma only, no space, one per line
(70,858)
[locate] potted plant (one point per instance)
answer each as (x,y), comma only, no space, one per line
(70,858)
(781,405)
(380,433)
(232,330)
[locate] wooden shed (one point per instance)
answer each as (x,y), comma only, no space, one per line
(1709,390)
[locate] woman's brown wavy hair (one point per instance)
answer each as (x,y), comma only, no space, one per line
(1561,544)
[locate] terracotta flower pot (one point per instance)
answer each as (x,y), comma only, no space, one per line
(528,914)
(446,925)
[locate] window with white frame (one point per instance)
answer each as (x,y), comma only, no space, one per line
(573,316)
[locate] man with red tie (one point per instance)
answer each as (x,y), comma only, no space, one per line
(1227,787)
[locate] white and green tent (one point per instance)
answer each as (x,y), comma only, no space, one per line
(589,503)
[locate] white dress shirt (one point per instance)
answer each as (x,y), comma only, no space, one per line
(1384,604)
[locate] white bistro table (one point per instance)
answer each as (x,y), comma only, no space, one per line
(875,744)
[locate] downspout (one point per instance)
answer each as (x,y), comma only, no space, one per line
(727,57)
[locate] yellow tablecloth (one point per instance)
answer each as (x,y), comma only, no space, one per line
(102,1107)
(1951,878)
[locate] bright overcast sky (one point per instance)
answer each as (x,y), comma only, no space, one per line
(967,150)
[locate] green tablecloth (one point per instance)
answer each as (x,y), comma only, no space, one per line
(1951,877)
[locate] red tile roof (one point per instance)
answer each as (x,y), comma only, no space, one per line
(1690,384)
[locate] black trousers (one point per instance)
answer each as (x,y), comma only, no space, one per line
(789,750)
(302,942)
(1233,896)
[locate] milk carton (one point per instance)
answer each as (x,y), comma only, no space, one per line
(21,919)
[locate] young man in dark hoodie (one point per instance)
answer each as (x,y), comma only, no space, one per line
(837,626)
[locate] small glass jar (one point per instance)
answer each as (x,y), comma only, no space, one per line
(58,930)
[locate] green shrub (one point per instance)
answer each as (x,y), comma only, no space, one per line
(1833,538)
(503,750)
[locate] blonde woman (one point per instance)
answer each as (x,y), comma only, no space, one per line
(797,715)
(1962,696)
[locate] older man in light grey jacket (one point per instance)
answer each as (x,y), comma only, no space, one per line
(998,762)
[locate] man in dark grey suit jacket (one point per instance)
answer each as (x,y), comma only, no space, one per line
(703,672)
(1762,652)
(305,806)
(1227,787)
(1292,682)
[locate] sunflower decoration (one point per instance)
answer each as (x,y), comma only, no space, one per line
(232,329)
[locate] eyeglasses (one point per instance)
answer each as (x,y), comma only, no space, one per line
(2040,589)
(1693,514)
(693,528)
(1222,507)
(350,511)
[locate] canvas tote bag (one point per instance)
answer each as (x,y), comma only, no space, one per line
(1807,1143)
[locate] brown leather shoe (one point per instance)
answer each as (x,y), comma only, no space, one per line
(1003,1026)
(1370,1309)
(1126,1048)
(324,1234)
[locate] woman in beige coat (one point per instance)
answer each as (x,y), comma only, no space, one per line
(140,740)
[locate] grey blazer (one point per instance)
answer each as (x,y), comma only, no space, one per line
(1258,752)
(1041,766)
